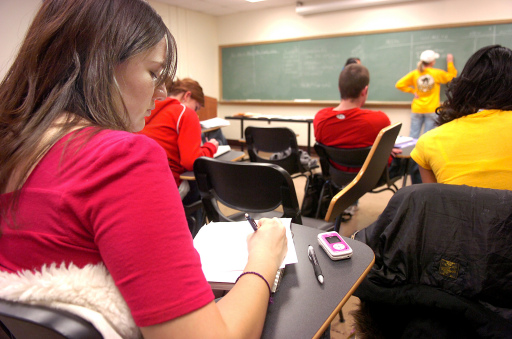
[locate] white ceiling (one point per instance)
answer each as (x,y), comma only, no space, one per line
(224,7)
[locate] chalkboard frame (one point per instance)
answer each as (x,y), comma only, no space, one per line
(388,104)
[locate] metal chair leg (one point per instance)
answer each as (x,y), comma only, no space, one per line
(342,319)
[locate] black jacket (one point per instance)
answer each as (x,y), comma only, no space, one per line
(444,249)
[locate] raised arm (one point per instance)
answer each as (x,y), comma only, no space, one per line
(451,70)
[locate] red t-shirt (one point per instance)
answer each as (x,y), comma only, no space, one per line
(177,129)
(112,200)
(353,128)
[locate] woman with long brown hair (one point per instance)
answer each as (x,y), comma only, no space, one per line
(79,191)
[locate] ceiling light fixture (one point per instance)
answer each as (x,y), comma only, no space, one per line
(304,9)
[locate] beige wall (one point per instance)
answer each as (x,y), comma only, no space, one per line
(197,40)
(15,17)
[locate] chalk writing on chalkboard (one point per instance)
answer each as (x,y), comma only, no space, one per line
(290,70)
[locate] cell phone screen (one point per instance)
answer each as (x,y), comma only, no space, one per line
(332,239)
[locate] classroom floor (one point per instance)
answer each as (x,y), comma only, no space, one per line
(370,207)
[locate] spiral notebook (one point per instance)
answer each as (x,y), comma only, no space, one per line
(222,247)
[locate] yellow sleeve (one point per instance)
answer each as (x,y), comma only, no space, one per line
(445,77)
(406,84)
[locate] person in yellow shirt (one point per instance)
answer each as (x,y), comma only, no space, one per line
(424,82)
(473,144)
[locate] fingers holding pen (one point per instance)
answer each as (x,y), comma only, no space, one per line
(270,239)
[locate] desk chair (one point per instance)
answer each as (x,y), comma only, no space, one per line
(370,174)
(275,140)
(350,157)
(24,321)
(192,211)
(256,188)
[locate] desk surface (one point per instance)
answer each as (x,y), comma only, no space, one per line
(406,152)
(209,129)
(228,156)
(272,117)
(303,308)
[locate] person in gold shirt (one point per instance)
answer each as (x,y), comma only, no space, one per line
(424,82)
(473,144)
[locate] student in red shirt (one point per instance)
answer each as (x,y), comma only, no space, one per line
(175,126)
(348,125)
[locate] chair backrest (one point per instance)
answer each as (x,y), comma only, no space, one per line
(369,175)
(246,187)
(347,157)
(23,321)
(274,140)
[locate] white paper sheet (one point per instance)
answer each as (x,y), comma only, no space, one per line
(222,247)
(214,122)
(221,150)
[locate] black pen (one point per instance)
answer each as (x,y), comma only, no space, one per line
(314,260)
(251,221)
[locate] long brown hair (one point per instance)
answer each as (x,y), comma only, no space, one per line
(66,65)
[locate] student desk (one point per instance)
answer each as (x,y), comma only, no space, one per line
(303,308)
(228,156)
(206,130)
(270,118)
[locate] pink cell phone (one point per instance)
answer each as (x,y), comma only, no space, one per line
(334,245)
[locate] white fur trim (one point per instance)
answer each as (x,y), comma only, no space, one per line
(89,292)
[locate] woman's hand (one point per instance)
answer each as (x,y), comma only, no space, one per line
(269,243)
(449,57)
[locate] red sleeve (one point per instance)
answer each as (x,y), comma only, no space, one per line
(189,140)
(139,226)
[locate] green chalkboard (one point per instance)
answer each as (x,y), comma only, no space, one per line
(309,69)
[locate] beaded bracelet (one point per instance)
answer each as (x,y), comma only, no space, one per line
(270,300)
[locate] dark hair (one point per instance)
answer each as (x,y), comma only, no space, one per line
(66,65)
(352,61)
(353,79)
(186,85)
(485,83)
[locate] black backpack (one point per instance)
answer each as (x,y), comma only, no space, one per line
(312,195)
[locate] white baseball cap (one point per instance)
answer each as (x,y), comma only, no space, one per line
(428,56)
